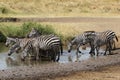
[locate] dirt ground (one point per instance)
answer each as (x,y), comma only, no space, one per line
(104,73)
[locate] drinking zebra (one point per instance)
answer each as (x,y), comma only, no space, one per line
(80,40)
(35,33)
(17,44)
(95,39)
(47,43)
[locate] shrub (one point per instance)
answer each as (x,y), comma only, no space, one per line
(44,29)
(24,29)
(3,10)
(2,37)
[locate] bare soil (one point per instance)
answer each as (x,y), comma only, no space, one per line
(104,73)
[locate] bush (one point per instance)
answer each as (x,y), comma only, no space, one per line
(24,29)
(3,10)
(2,37)
(43,29)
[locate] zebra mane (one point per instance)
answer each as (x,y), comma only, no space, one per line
(72,38)
(89,31)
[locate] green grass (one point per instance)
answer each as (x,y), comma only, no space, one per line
(23,29)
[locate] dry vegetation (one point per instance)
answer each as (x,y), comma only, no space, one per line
(46,8)
(73,29)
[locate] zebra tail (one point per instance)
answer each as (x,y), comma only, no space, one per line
(61,47)
(116,38)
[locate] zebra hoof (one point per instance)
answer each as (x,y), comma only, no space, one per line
(104,54)
(22,59)
(110,54)
(69,51)
(79,51)
(9,54)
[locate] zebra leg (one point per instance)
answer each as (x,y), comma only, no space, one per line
(97,50)
(78,51)
(54,55)
(114,45)
(110,47)
(37,54)
(106,50)
(77,57)
(92,51)
(107,47)
(61,47)
(58,54)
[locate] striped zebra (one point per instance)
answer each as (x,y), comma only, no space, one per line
(10,41)
(80,40)
(105,38)
(35,33)
(17,44)
(50,43)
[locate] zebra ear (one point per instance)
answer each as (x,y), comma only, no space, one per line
(72,38)
(16,39)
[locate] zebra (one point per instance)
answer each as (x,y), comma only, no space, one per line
(47,43)
(105,38)
(10,41)
(18,44)
(80,40)
(23,42)
(33,33)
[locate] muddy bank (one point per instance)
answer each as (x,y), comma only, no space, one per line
(51,70)
(111,72)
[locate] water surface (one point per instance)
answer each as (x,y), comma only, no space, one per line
(14,60)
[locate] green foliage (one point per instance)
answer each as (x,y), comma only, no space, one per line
(3,10)
(44,29)
(24,29)
(2,37)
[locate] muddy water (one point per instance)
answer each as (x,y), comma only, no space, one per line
(14,60)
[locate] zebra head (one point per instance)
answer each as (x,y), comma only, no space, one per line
(69,47)
(70,44)
(13,49)
(33,33)
(10,41)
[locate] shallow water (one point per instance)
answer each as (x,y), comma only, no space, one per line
(14,60)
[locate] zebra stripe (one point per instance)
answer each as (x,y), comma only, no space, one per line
(47,43)
(18,44)
(104,38)
(81,39)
